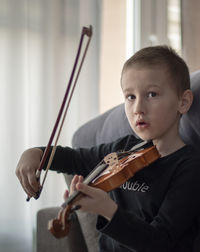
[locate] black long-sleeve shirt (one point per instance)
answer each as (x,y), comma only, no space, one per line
(158,208)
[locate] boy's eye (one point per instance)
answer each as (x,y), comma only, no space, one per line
(130,97)
(152,94)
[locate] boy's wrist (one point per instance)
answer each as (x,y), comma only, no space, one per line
(110,210)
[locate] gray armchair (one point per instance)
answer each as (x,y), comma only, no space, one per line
(105,128)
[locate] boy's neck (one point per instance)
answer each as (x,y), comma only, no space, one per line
(168,147)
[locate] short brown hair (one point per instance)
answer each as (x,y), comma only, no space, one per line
(163,56)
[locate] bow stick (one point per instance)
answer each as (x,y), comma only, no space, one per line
(63,109)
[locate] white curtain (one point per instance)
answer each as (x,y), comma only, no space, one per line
(38,43)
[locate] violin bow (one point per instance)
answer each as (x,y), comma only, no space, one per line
(63,109)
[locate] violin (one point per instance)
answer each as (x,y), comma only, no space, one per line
(113,171)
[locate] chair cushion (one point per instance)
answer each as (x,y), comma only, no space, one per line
(190,122)
(105,128)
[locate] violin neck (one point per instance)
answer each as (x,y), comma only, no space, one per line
(95,173)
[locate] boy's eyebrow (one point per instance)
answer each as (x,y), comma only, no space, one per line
(149,86)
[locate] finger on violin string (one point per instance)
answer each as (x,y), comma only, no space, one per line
(86,190)
(66,195)
(76,179)
(73,184)
(80,180)
(91,192)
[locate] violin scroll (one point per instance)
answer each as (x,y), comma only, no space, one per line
(60,226)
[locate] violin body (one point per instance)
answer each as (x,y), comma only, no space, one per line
(116,174)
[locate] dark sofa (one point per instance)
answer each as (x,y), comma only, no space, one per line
(105,128)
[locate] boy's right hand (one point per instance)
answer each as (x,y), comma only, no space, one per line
(26,170)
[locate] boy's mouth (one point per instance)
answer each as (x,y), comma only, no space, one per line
(141,124)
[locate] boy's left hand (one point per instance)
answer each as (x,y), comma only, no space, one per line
(94,200)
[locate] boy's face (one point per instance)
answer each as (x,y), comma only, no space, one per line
(151,104)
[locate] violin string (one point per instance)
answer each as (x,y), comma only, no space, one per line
(136,148)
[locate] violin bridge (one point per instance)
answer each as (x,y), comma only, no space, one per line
(111,159)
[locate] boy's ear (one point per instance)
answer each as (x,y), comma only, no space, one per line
(185,101)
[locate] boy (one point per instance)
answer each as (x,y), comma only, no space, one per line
(163,217)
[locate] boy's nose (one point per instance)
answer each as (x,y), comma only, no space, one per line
(139,107)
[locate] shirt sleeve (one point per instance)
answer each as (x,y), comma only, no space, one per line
(176,215)
(82,160)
